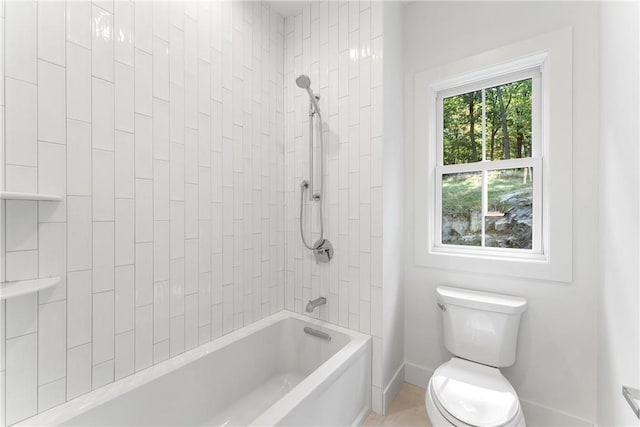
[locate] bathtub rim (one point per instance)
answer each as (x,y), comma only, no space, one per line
(83,403)
(318,381)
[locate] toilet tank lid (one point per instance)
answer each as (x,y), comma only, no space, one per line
(481,300)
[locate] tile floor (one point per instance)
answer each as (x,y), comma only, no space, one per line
(406,410)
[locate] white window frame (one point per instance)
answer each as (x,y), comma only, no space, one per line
(547,59)
(483,166)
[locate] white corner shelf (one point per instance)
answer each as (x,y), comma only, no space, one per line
(8,195)
(23,287)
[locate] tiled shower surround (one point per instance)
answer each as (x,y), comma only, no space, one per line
(339,46)
(162,124)
(178,139)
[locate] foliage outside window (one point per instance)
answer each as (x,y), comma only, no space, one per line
(488,173)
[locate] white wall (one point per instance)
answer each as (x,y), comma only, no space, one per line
(556,364)
(162,128)
(619,295)
(393,203)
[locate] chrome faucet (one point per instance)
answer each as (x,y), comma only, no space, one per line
(312,304)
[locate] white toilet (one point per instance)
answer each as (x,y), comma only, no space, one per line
(481,330)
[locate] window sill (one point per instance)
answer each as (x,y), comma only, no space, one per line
(532,266)
(504,254)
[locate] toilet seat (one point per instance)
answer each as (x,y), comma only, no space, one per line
(470,394)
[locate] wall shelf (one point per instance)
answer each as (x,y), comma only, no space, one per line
(8,195)
(23,287)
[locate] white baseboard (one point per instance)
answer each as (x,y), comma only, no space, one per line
(392,389)
(362,417)
(537,415)
(376,400)
(417,375)
(534,413)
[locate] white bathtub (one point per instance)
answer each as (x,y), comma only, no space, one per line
(266,374)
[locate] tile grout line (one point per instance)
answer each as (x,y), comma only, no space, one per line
(37,207)
(115,200)
(91,321)
(132,11)
(66,216)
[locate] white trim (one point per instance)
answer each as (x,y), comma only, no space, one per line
(491,80)
(552,53)
(484,165)
(376,400)
(391,390)
(417,375)
(536,414)
(496,71)
(488,165)
(499,75)
(361,417)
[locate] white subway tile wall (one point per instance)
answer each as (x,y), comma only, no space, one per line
(162,127)
(336,45)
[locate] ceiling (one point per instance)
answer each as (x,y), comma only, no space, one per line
(288,8)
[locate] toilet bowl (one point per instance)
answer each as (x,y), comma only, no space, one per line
(480,329)
(466,394)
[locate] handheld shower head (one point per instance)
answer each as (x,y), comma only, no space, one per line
(322,249)
(303,81)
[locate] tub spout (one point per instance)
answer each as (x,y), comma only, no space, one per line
(312,304)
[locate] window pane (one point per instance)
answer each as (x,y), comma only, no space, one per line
(462,128)
(509,219)
(509,120)
(462,209)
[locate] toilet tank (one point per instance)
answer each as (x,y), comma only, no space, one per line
(481,326)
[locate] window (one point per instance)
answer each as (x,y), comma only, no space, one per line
(493,161)
(488,173)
